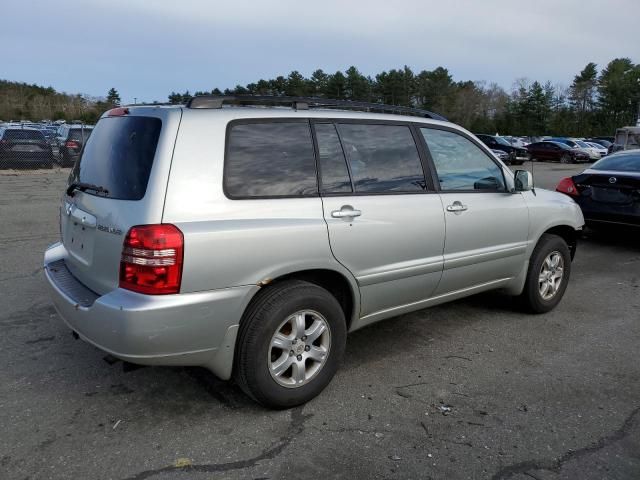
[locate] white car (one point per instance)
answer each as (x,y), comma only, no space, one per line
(598,148)
(593,153)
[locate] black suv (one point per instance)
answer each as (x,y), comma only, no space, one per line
(70,140)
(517,155)
(24,147)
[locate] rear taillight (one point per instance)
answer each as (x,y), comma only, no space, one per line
(151,260)
(567,186)
(71,144)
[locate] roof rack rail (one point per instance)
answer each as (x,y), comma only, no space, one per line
(305,103)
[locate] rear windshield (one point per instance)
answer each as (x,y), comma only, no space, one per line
(626,162)
(119,155)
(79,134)
(23,135)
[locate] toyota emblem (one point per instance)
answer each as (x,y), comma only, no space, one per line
(613,179)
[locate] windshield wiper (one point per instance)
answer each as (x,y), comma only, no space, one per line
(86,186)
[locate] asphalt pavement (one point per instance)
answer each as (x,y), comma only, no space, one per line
(470,390)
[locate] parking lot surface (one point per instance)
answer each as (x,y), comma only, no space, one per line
(470,390)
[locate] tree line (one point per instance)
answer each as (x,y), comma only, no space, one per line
(596,103)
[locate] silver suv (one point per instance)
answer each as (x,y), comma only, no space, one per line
(248,235)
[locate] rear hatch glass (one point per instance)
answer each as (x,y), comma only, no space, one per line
(79,134)
(118,156)
(23,135)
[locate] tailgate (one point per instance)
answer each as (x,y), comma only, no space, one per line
(129,155)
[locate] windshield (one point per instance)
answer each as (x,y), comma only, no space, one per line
(502,141)
(119,155)
(627,162)
(582,144)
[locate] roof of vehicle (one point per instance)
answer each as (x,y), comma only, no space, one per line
(254,106)
(229,113)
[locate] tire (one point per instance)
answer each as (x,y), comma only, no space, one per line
(548,248)
(260,367)
(565,158)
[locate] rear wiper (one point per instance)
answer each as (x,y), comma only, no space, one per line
(86,186)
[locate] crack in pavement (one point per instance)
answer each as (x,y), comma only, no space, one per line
(556,465)
(296,427)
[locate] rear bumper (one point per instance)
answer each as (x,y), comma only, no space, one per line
(610,213)
(26,158)
(197,329)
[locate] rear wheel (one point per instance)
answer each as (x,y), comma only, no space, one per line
(548,274)
(291,341)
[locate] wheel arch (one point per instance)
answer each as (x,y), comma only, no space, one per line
(567,233)
(344,289)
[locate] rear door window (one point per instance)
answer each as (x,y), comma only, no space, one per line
(270,159)
(382,158)
(119,155)
(334,173)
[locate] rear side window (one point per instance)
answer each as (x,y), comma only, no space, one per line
(272,159)
(119,155)
(382,158)
(23,135)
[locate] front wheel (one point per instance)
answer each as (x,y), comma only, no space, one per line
(548,275)
(291,341)
(566,158)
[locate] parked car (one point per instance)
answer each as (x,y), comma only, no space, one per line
(24,148)
(206,235)
(609,191)
(556,151)
(70,140)
(517,155)
(602,151)
(574,143)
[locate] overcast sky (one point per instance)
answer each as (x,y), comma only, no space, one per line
(146,49)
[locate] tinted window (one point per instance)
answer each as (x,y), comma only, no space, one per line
(460,164)
(270,160)
(624,162)
(118,156)
(333,167)
(23,135)
(383,158)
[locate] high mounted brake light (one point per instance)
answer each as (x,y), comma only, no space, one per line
(151,260)
(118,112)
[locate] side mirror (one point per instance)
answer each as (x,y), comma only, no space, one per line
(523,180)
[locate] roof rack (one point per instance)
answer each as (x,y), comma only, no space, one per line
(305,103)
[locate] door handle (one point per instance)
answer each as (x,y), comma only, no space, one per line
(456,207)
(346,211)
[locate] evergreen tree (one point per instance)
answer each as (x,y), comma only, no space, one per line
(113,97)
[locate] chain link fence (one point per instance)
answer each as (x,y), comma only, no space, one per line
(41,145)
